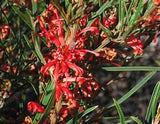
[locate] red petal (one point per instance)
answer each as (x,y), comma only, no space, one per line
(48,34)
(79,71)
(65,69)
(67,92)
(57,71)
(77,79)
(35,107)
(73,104)
(45,68)
(41,24)
(58,92)
(155,38)
(87,29)
(89,51)
(64,112)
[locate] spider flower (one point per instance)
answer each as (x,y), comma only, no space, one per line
(63,62)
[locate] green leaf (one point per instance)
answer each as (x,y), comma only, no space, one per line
(90,22)
(130,7)
(120,112)
(4,3)
(137,12)
(126,16)
(24,16)
(149,7)
(28,42)
(47,100)
(83,114)
(70,121)
(89,110)
(106,5)
(34,88)
(106,30)
(30,45)
(127,119)
(34,7)
(156,97)
(135,88)
(157,62)
(121,13)
(67,2)
(151,110)
(109,118)
(60,10)
(100,2)
(136,119)
(132,68)
(37,49)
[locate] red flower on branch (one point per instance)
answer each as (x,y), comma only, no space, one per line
(63,62)
(136,44)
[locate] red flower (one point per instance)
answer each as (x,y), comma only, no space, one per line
(4,31)
(95,24)
(72,108)
(153,19)
(83,20)
(136,44)
(61,65)
(107,22)
(35,107)
(36,0)
(64,112)
(156,2)
(55,24)
(63,62)
(89,87)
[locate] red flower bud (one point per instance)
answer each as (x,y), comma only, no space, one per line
(35,107)
(4,31)
(64,112)
(136,44)
(36,0)
(156,2)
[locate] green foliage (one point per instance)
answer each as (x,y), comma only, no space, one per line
(47,100)
(81,115)
(135,88)
(24,16)
(24,47)
(120,113)
(151,110)
(132,68)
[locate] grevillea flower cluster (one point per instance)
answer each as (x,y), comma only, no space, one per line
(66,41)
(68,53)
(62,63)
